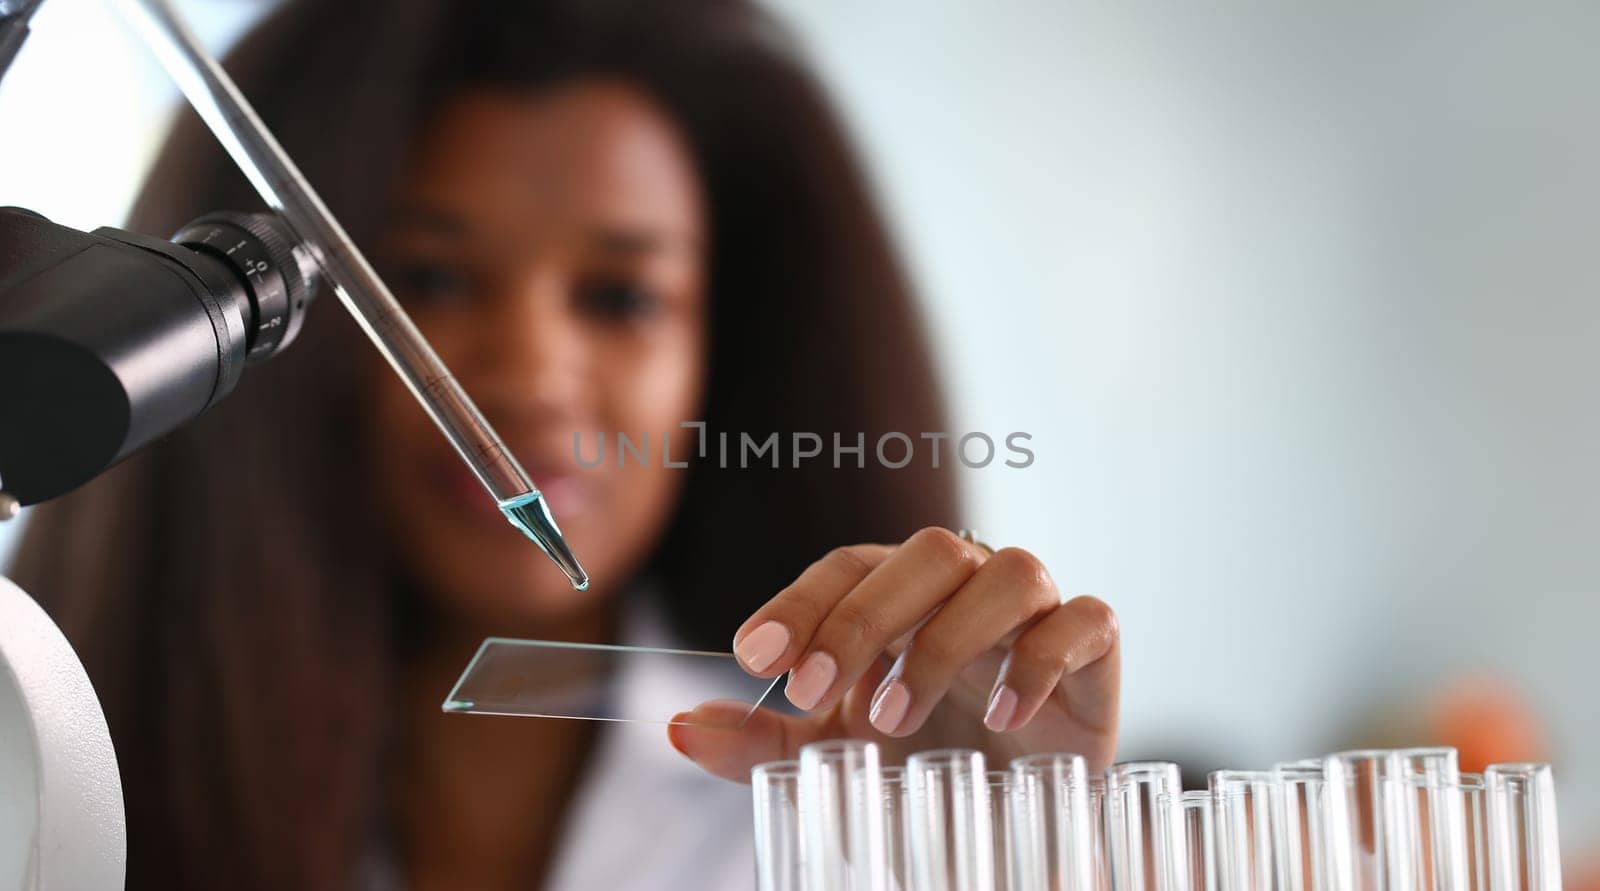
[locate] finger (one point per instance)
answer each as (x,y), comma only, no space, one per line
(921,574)
(770,641)
(726,739)
(1008,591)
(725,747)
(1075,647)
(1091,697)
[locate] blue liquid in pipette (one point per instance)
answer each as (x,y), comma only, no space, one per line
(531,515)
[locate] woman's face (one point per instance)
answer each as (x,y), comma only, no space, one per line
(550,247)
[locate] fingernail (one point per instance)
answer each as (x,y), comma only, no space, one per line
(811,680)
(673,725)
(889,706)
(762,647)
(1002,707)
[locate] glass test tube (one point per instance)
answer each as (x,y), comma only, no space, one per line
(1199,840)
(947,806)
(895,862)
(1365,852)
(1300,827)
(841,816)
(1054,825)
(1243,802)
(1428,812)
(1524,848)
(280,183)
(1099,847)
(1143,836)
(1468,790)
(775,789)
(1006,866)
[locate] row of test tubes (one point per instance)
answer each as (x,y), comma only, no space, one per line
(1373,820)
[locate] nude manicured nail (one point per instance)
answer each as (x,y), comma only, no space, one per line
(811,680)
(1002,708)
(889,707)
(762,647)
(673,724)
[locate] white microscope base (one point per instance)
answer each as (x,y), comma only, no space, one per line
(61,820)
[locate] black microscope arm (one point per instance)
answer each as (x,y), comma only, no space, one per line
(110,339)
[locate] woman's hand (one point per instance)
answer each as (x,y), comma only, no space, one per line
(931,643)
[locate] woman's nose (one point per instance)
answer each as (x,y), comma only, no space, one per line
(530,349)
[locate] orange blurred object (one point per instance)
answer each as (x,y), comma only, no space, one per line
(1489,721)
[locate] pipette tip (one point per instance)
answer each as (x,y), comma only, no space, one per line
(530,514)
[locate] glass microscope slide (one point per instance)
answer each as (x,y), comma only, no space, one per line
(602,682)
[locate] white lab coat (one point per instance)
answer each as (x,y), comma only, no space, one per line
(644,817)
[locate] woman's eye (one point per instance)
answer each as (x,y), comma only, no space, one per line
(618,300)
(430,282)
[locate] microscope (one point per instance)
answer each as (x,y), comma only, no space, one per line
(108,340)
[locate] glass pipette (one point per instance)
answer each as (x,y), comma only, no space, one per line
(224,109)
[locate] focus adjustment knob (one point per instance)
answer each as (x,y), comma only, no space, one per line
(261,249)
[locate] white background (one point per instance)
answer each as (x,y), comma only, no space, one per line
(1299,302)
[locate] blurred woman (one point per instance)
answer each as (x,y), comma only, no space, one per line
(605,217)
